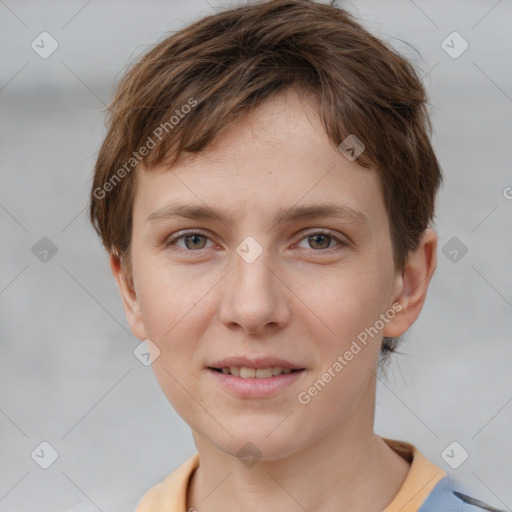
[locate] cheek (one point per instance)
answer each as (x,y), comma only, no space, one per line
(345,303)
(348,345)
(175,308)
(169,298)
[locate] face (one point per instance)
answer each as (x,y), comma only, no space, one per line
(273,274)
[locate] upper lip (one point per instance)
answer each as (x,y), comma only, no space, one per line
(256,362)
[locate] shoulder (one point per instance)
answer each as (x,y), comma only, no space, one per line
(171,493)
(450,495)
(152,498)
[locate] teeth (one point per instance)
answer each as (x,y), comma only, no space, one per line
(247,373)
(251,373)
(263,373)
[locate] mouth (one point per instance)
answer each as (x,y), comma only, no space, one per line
(254,377)
(245,372)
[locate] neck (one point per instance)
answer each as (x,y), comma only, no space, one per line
(349,468)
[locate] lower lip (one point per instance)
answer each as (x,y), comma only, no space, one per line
(255,388)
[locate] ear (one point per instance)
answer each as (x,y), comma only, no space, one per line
(129,298)
(412,284)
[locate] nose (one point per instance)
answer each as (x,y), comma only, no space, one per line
(255,298)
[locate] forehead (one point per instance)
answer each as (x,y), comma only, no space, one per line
(277,157)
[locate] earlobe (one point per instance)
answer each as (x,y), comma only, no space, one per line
(413,284)
(129,298)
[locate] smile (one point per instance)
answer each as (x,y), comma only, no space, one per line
(254,382)
(250,373)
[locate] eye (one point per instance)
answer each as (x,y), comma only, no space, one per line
(193,240)
(321,240)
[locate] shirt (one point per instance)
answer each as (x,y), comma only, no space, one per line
(427,488)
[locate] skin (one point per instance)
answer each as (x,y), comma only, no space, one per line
(304,299)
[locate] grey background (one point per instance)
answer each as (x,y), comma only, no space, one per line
(68,375)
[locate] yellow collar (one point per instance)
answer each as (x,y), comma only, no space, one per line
(170,495)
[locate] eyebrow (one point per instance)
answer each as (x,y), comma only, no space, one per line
(295,213)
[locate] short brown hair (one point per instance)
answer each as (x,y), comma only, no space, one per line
(224,65)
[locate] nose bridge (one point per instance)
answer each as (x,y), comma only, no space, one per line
(252,273)
(253,297)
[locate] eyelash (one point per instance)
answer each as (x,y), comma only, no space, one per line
(172,241)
